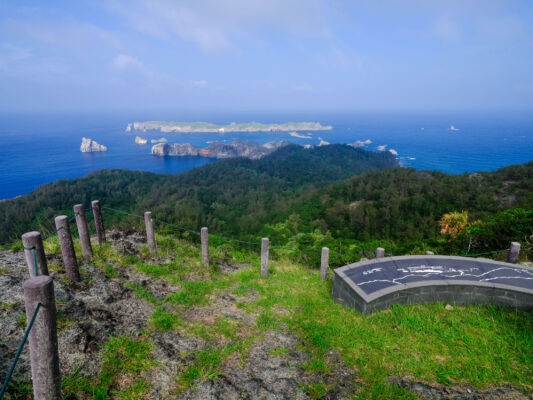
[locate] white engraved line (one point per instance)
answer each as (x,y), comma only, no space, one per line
(452,276)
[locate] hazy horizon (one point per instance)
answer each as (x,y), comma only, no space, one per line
(274,56)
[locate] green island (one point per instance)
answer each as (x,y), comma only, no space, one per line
(165,325)
(191,127)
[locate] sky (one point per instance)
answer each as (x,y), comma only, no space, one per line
(266,55)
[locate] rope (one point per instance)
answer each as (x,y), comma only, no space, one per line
(19,351)
(482,254)
(180,228)
(34,258)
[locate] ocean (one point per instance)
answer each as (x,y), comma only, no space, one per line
(41,148)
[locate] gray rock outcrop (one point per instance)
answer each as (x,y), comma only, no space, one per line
(219,150)
(89,146)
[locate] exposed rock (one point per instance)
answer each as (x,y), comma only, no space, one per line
(456,392)
(89,146)
(162,140)
(140,140)
(218,150)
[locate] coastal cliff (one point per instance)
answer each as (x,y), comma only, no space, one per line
(90,146)
(218,150)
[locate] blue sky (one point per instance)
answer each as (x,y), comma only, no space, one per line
(266,55)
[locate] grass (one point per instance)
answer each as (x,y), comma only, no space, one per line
(480,346)
(126,362)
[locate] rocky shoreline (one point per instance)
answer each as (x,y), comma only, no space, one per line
(218,150)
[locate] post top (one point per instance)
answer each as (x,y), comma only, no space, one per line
(515,244)
(380,248)
(147,213)
(37,282)
(31,235)
(204,228)
(60,218)
(325,248)
(265,238)
(78,206)
(95,202)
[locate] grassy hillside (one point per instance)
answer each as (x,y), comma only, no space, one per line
(223,331)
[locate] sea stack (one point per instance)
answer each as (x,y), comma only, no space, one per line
(90,146)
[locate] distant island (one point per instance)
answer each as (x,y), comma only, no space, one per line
(191,127)
(218,150)
(90,146)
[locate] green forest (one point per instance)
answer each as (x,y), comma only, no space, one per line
(349,199)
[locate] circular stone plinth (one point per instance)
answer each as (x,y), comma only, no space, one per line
(374,285)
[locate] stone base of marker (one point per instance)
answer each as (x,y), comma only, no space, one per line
(380,252)
(42,339)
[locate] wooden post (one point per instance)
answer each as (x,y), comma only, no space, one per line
(33,240)
(67,248)
(44,354)
(380,252)
(205,246)
(83,230)
(514,252)
(150,237)
(324,263)
(429,253)
(264,257)
(98,221)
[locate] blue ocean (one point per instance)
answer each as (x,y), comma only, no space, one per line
(40,148)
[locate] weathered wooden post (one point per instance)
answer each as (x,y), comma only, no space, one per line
(380,252)
(324,263)
(205,246)
(429,253)
(44,355)
(98,221)
(33,242)
(514,252)
(67,248)
(83,230)
(150,237)
(264,257)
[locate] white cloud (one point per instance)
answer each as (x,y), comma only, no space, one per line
(124,61)
(393,152)
(382,147)
(215,26)
(445,28)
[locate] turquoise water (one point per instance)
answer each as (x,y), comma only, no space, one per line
(37,149)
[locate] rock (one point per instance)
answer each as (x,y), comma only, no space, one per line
(448,307)
(140,140)
(162,140)
(128,128)
(89,146)
(457,392)
(218,150)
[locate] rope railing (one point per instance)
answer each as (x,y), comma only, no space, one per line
(19,351)
(217,236)
(33,242)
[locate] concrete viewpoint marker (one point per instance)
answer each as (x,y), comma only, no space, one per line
(376,284)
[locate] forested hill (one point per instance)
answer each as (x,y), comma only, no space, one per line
(403,205)
(235,196)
